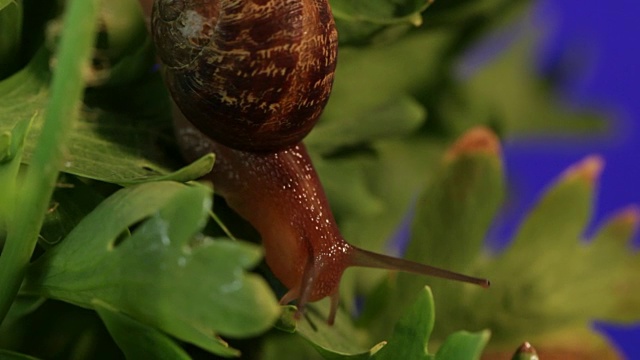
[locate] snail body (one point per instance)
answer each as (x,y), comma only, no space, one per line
(250,96)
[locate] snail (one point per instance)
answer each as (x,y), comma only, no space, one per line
(250,78)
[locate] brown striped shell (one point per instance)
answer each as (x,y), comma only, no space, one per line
(253,75)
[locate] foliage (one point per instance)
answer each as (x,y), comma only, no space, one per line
(126,263)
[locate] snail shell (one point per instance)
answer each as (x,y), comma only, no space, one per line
(253,75)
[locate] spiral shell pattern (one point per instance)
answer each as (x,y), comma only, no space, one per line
(253,75)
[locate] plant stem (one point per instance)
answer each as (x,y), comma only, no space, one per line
(32,200)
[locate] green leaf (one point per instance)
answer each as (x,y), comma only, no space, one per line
(456,12)
(124,135)
(11,149)
(545,288)
(72,200)
(379,11)
(10,355)
(56,330)
(455,211)
(11,12)
(524,103)
(345,181)
(463,345)
(338,341)
(67,85)
(611,257)
(159,275)
(449,224)
(285,346)
(124,51)
(382,200)
(124,132)
(358,21)
(550,283)
(136,340)
(384,103)
(408,114)
(193,171)
(451,217)
(411,334)
(12,144)
(408,340)
(22,306)
(24,94)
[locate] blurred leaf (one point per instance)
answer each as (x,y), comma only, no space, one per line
(11,149)
(286,346)
(137,340)
(11,12)
(22,306)
(365,104)
(23,94)
(378,11)
(123,50)
(456,12)
(12,143)
(359,21)
(454,212)
(579,342)
(56,330)
(346,182)
(391,181)
(570,284)
(407,113)
(158,275)
(521,101)
(463,345)
(451,217)
(543,293)
(10,355)
(549,281)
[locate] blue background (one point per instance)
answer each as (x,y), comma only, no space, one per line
(596,49)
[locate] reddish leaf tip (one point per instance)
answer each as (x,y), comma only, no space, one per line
(588,169)
(629,216)
(626,220)
(476,140)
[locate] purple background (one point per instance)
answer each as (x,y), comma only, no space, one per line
(595,46)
